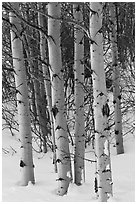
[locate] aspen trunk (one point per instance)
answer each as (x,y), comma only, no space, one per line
(38,100)
(79,98)
(32,52)
(32,101)
(103,179)
(41,112)
(38,86)
(58,105)
(44,115)
(26,162)
(47,83)
(116,84)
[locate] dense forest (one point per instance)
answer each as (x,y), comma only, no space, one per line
(68,85)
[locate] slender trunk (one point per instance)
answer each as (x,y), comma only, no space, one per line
(37,83)
(58,102)
(32,52)
(47,83)
(103,183)
(42,123)
(79,99)
(116,83)
(32,103)
(26,162)
(44,116)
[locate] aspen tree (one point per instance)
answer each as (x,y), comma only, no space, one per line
(47,81)
(40,112)
(103,185)
(26,162)
(58,101)
(38,80)
(35,69)
(44,115)
(116,83)
(79,97)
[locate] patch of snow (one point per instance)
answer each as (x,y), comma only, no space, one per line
(123,175)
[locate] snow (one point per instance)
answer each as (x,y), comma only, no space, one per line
(123,168)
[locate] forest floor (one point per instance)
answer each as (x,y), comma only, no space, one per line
(123,169)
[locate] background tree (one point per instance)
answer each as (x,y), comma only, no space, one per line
(79,97)
(125,13)
(116,86)
(47,81)
(8,80)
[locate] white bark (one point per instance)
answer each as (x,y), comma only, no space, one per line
(79,98)
(26,162)
(100,106)
(116,83)
(58,105)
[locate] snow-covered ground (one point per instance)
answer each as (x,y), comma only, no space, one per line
(123,169)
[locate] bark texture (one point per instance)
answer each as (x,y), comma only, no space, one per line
(26,162)
(79,98)
(103,181)
(58,102)
(116,83)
